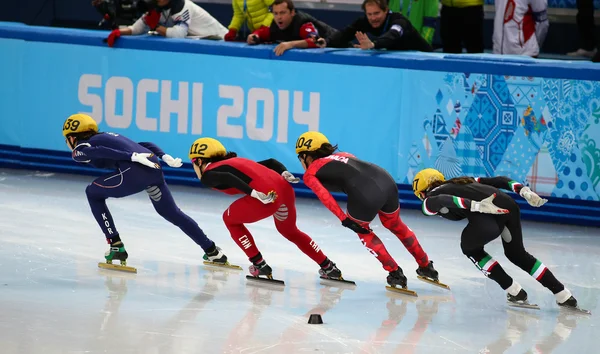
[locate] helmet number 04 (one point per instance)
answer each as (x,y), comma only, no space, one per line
(303,143)
(198,149)
(71,124)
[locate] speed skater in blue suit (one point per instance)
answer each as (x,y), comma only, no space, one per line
(136,168)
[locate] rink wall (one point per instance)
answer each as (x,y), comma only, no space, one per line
(537,121)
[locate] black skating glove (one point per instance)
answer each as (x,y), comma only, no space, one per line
(354,226)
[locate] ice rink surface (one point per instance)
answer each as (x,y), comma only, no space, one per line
(54,299)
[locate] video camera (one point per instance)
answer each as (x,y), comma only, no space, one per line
(117,13)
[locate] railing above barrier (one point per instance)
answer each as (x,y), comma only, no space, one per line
(467,63)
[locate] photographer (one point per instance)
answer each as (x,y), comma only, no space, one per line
(174,19)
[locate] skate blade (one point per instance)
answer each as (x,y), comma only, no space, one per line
(433,282)
(222,265)
(576,310)
(340,280)
(524,306)
(402,291)
(117,267)
(266,280)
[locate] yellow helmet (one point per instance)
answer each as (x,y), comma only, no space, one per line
(424,179)
(206,148)
(310,141)
(79,123)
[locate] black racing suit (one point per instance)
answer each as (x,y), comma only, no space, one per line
(453,202)
(371,191)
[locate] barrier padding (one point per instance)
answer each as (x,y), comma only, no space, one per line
(559,210)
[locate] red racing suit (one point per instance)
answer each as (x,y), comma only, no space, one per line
(240,176)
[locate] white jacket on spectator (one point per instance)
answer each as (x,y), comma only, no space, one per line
(520,26)
(183,19)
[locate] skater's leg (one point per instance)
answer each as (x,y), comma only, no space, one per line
(244,211)
(114,185)
(118,184)
(489,267)
(375,246)
(392,222)
(363,212)
(512,240)
(285,222)
(165,206)
(480,230)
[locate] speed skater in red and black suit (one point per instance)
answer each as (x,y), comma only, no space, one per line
(371,192)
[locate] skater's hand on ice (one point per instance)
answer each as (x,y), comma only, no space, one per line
(171,161)
(264,198)
(290,177)
(142,158)
(354,226)
(532,198)
(486,206)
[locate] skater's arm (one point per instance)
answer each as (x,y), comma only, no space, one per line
(506,183)
(102,152)
(433,205)
(324,196)
(215,178)
(501,182)
(274,165)
(154,148)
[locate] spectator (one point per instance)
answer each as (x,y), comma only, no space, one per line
(174,19)
(380,29)
(585,26)
(291,29)
(422,14)
(461,21)
(252,13)
(520,26)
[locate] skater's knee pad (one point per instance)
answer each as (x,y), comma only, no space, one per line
(154,193)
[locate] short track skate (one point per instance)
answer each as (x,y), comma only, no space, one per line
(578,310)
(523,305)
(261,270)
(266,279)
(117,252)
(397,283)
(223,265)
(338,280)
(429,275)
(520,300)
(433,282)
(572,306)
(121,267)
(404,291)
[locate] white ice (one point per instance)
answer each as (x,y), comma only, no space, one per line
(54,299)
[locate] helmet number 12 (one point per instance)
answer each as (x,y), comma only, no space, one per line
(198,149)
